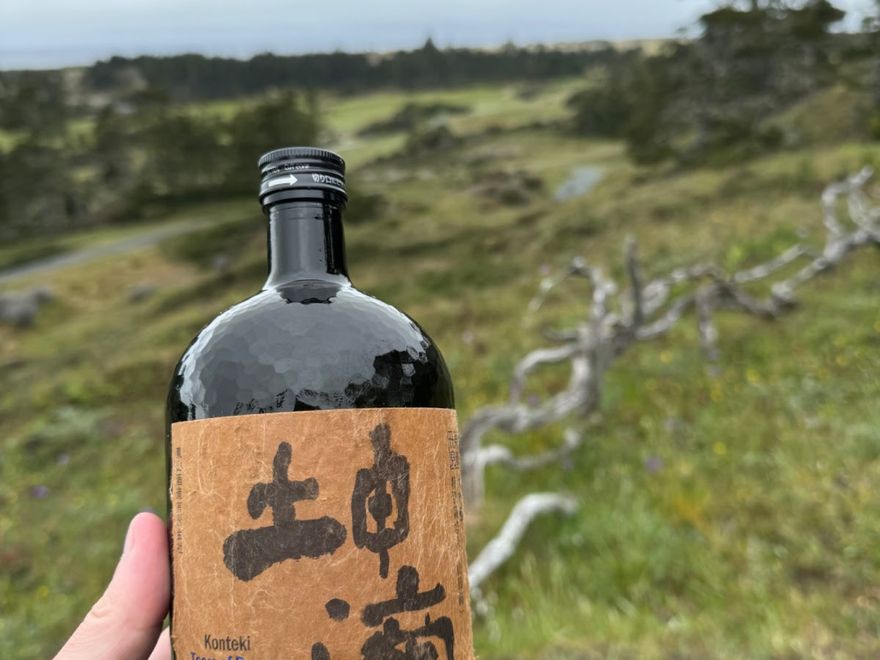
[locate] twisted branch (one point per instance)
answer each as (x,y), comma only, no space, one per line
(502,547)
(649,311)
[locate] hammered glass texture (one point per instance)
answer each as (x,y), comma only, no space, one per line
(311,344)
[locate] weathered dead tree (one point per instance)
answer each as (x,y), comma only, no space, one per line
(502,547)
(619,318)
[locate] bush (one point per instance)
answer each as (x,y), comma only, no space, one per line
(364,206)
(711,100)
(430,140)
(184,155)
(602,111)
(281,120)
(874,125)
(411,116)
(203,246)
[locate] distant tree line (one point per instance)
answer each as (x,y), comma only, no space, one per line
(714,99)
(116,141)
(192,77)
(54,179)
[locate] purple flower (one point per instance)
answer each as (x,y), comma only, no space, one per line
(39,492)
(653,464)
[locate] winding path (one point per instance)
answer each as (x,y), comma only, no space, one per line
(147,238)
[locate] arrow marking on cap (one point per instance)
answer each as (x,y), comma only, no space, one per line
(282,180)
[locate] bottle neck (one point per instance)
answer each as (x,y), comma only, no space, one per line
(306,243)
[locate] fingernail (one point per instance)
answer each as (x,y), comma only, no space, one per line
(129,539)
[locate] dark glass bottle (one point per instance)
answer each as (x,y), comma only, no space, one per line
(309,340)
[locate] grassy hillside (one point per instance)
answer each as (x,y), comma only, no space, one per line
(733,515)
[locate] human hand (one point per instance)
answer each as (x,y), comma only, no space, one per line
(127,620)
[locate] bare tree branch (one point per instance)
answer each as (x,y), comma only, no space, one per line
(706,324)
(776,264)
(534,360)
(594,344)
(501,455)
(502,547)
(633,270)
(650,311)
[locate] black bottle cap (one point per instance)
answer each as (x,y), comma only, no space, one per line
(302,173)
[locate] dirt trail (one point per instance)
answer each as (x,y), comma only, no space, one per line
(147,238)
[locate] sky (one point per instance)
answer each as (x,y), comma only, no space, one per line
(52,33)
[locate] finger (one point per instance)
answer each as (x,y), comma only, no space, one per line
(127,619)
(163,647)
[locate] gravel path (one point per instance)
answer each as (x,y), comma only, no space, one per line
(581,181)
(148,238)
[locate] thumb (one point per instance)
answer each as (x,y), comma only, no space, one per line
(127,619)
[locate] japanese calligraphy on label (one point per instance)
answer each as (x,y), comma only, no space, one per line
(330,534)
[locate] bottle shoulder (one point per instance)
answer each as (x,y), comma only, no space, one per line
(338,315)
(308,345)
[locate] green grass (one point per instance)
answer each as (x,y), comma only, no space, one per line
(757,535)
(230,213)
(504,104)
(24,252)
(498,106)
(8,140)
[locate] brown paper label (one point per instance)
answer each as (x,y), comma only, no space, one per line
(322,534)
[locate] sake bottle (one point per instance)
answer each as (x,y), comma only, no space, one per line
(315,503)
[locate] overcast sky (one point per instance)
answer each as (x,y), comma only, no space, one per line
(48,33)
